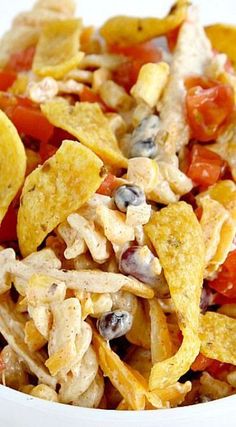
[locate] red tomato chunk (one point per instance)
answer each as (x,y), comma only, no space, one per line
(137,55)
(225,283)
(208,110)
(21,61)
(7,79)
(205,167)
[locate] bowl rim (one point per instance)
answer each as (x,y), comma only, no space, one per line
(71,412)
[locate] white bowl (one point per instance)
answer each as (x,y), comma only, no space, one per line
(20,410)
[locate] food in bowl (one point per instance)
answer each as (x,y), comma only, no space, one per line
(118,209)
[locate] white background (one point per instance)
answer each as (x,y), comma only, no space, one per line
(95,11)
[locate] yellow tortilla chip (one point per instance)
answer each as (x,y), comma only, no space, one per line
(12,163)
(131,30)
(161,345)
(86,122)
(139,334)
(121,376)
(217,334)
(57,51)
(227,235)
(140,359)
(171,396)
(212,220)
(225,193)
(177,238)
(222,37)
(54,190)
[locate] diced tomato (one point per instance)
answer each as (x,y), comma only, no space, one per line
(127,73)
(87,95)
(202,81)
(219,370)
(205,167)
(58,136)
(144,52)
(198,213)
(46,151)
(172,37)
(8,225)
(108,185)
(201,363)
(208,110)
(137,55)
(225,283)
(9,101)
(190,198)
(220,299)
(21,61)
(32,122)
(7,79)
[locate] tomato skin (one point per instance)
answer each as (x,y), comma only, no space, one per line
(198,213)
(8,224)
(126,74)
(87,95)
(137,55)
(7,79)
(108,185)
(21,61)
(46,151)
(220,299)
(225,283)
(208,109)
(144,52)
(201,363)
(26,116)
(205,167)
(172,37)
(32,122)
(219,370)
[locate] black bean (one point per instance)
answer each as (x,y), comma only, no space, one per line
(114,324)
(133,263)
(143,138)
(144,148)
(128,195)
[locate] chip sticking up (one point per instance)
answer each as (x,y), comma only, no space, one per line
(54,190)
(57,51)
(86,122)
(177,238)
(217,335)
(212,220)
(161,345)
(125,30)
(121,375)
(223,192)
(12,163)
(222,37)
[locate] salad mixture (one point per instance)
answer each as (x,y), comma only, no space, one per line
(118,209)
